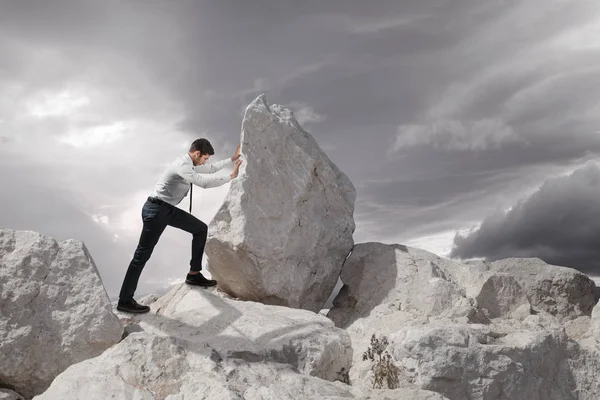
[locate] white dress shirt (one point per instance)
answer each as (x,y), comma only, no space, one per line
(174,183)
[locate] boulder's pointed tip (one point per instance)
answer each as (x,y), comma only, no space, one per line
(259,103)
(262,98)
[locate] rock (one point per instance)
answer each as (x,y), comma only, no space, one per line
(488,362)
(584,362)
(395,394)
(146,366)
(462,362)
(395,277)
(563,292)
(252,331)
(595,323)
(501,295)
(286,225)
(54,309)
(408,278)
(198,343)
(148,299)
(7,394)
(470,330)
(131,321)
(579,328)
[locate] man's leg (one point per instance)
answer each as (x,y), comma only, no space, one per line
(193,225)
(155,219)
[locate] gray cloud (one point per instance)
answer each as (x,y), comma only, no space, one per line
(456,135)
(99,96)
(33,201)
(558,223)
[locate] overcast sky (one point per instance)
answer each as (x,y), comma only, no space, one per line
(473,117)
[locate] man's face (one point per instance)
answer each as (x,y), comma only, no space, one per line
(199,159)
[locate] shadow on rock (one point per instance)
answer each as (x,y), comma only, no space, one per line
(369,274)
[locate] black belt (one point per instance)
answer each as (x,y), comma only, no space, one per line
(156,200)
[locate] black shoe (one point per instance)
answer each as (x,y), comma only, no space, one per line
(199,280)
(132,306)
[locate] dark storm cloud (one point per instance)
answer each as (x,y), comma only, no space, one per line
(432,190)
(438,111)
(559,224)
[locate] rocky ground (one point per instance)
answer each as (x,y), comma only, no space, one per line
(432,328)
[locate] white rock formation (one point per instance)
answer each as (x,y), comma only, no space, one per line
(560,291)
(501,295)
(149,367)
(471,330)
(252,331)
(200,344)
(595,322)
(54,310)
(286,225)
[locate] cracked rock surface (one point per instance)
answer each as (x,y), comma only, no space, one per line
(199,344)
(286,225)
(511,329)
(54,310)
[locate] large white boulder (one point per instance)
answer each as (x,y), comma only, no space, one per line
(54,310)
(412,279)
(463,362)
(502,296)
(286,225)
(252,331)
(470,330)
(395,277)
(563,292)
(201,344)
(149,367)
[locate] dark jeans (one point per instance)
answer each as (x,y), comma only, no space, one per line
(156,215)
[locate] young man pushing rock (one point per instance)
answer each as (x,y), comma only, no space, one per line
(160,210)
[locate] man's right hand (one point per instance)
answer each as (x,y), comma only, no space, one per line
(236,168)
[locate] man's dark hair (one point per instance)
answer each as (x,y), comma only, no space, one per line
(203,146)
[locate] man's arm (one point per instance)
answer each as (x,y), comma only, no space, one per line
(219,165)
(188,173)
(214,167)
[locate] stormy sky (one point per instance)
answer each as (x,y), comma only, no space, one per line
(469,128)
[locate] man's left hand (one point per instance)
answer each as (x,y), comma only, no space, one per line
(236,155)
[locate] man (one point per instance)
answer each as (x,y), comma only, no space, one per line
(160,210)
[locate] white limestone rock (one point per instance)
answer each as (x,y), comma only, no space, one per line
(150,367)
(463,362)
(54,310)
(146,366)
(563,292)
(412,279)
(286,225)
(402,394)
(584,361)
(200,344)
(148,299)
(579,328)
(496,361)
(595,323)
(469,330)
(395,277)
(252,331)
(501,295)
